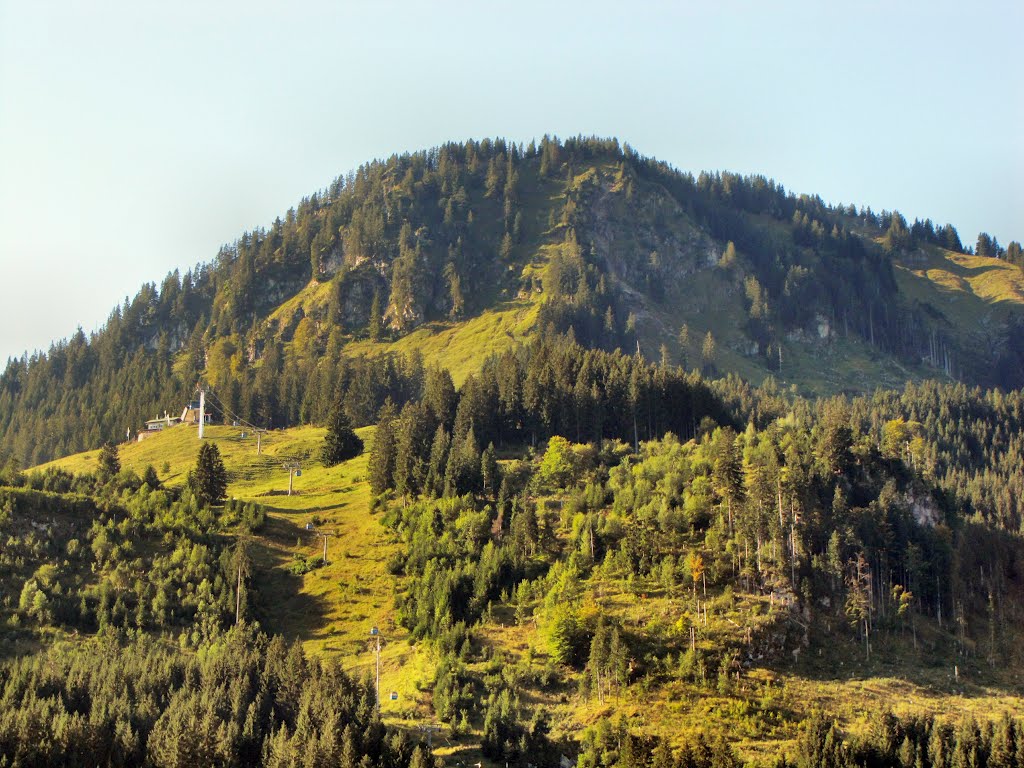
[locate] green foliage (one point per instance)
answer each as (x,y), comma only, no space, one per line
(557,467)
(563,636)
(609,744)
(375,326)
(302,565)
(79,569)
(340,443)
(150,478)
(852,519)
(108,464)
(382,455)
(209,480)
(245,699)
(249,516)
(807,508)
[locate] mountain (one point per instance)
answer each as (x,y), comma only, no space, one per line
(566,543)
(468,249)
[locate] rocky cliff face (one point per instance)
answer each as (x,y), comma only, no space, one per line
(355,288)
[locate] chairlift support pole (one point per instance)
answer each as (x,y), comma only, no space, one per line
(326,535)
(430,729)
(292,468)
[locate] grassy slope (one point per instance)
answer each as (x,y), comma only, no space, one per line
(762,713)
(461,347)
(970,296)
(970,292)
(331,609)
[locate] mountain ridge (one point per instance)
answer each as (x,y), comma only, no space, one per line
(466,249)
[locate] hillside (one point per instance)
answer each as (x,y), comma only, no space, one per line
(465,250)
(785,665)
(660,471)
(332,608)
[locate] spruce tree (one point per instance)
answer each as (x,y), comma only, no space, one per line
(462,475)
(707,352)
(209,479)
(489,471)
(986,245)
(382,455)
(375,327)
(109,463)
(438,462)
(439,396)
(340,443)
(727,470)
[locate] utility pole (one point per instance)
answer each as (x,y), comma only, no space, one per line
(374,632)
(259,443)
(294,470)
(202,410)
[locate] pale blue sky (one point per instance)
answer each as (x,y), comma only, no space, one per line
(137,137)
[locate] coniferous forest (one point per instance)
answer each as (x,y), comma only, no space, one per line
(635,529)
(444,234)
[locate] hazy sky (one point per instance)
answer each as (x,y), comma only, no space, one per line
(136,137)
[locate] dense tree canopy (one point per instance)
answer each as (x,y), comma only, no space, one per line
(246,700)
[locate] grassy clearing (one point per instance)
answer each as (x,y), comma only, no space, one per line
(331,608)
(311,298)
(967,291)
(986,280)
(461,347)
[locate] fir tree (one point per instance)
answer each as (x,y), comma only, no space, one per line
(434,485)
(376,325)
(489,470)
(462,475)
(381,466)
(707,352)
(340,443)
(108,463)
(209,479)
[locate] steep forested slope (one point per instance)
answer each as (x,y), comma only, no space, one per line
(466,249)
(575,551)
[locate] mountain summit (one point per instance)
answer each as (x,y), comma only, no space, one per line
(468,249)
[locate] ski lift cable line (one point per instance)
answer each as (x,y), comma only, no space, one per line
(229,412)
